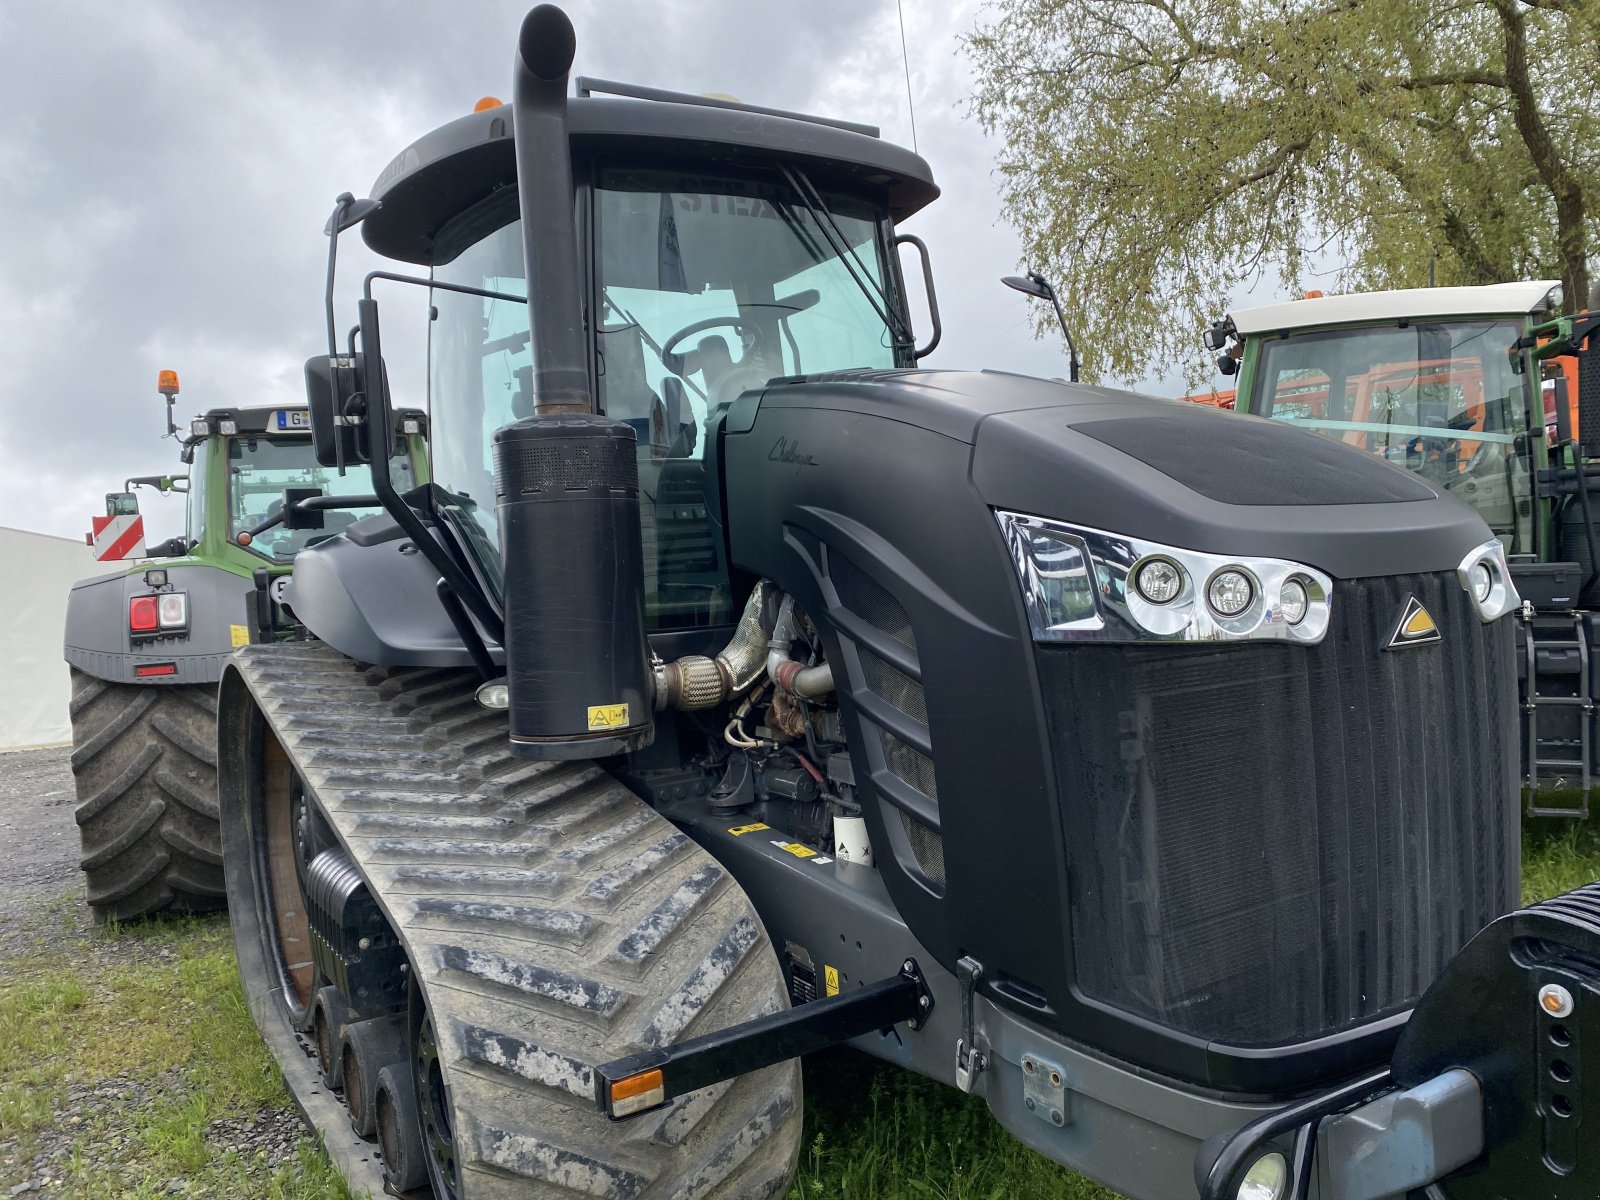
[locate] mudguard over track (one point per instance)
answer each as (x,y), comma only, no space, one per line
(552,919)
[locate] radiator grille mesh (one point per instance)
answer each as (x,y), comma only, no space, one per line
(1267,843)
(869,600)
(895,686)
(927,847)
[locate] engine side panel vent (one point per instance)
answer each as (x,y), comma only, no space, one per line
(918,844)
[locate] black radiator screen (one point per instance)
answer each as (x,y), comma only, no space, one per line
(1269,842)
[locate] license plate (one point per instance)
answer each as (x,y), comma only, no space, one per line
(293,418)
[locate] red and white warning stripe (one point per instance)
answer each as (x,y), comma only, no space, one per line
(118,537)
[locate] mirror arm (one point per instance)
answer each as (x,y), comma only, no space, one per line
(380,434)
(1061,317)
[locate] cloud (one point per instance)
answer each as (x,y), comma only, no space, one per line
(166,168)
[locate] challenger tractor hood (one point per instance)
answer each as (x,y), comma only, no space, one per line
(1185,475)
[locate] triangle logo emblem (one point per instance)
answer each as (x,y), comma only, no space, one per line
(1416,627)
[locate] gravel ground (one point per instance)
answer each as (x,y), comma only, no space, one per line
(38,837)
(42,911)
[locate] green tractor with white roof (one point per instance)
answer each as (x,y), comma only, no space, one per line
(1477,391)
(147,642)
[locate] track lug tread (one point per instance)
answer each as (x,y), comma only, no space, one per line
(555,922)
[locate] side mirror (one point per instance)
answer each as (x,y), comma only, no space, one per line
(1562,402)
(1027,286)
(1227,364)
(336,392)
(122,504)
(1036,285)
(295,517)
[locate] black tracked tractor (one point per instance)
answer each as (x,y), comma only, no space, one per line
(736,687)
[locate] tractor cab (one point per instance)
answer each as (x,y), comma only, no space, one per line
(246,464)
(722,247)
(1430,380)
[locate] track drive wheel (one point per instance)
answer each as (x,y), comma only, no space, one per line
(144,761)
(433,1105)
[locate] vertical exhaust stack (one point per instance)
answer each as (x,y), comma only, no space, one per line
(566,478)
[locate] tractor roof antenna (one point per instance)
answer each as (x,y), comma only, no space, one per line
(905,62)
(1036,285)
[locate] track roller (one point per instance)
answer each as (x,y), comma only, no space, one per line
(366,1049)
(330,1015)
(399,1130)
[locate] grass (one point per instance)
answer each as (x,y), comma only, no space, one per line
(155,1012)
(159,1005)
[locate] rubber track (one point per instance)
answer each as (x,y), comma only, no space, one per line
(554,920)
(144,763)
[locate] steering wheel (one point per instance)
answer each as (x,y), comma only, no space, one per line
(740,376)
(738,324)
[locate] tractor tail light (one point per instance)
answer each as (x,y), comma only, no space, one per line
(143,616)
(173,608)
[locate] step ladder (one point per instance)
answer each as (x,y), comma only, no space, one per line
(1553,762)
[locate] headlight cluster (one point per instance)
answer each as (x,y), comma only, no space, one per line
(1487,578)
(1080,583)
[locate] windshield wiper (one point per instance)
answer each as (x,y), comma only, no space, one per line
(870,286)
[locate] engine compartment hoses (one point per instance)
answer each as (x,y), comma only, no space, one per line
(784,671)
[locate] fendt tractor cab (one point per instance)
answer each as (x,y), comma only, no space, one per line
(738,687)
(1475,390)
(146,643)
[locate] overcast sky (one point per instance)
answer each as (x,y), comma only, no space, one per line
(166,168)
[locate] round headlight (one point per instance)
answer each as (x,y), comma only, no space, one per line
(1482,581)
(1159,581)
(1293,601)
(1230,592)
(1267,1178)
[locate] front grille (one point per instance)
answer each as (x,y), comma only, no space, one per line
(1267,843)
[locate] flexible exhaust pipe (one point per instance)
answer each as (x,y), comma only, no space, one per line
(566,479)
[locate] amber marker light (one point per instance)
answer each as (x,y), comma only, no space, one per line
(638,1092)
(485,104)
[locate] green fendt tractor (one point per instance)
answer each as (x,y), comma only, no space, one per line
(739,687)
(146,644)
(1476,390)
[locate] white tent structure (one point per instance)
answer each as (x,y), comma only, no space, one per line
(33,676)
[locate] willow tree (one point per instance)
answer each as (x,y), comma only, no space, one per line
(1159,155)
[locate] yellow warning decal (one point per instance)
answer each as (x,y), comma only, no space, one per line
(1419,623)
(830,980)
(238,635)
(796,849)
(740,830)
(608,716)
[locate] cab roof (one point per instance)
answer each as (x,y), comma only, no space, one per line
(448,171)
(1359,308)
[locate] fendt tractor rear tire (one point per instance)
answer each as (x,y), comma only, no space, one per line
(551,921)
(145,763)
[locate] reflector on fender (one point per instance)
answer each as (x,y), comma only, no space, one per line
(636,1093)
(157,669)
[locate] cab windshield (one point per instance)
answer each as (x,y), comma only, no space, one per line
(706,286)
(1439,399)
(260,468)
